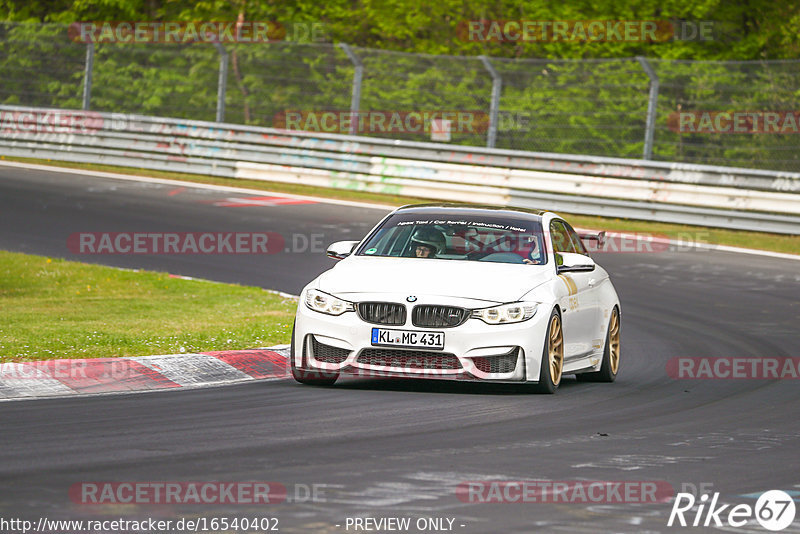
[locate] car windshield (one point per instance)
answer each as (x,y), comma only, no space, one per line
(462,237)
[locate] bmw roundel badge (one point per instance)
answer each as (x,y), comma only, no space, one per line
(411,298)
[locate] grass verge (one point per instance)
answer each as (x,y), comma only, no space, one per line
(692,234)
(53,309)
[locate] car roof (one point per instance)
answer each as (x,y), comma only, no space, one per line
(472,209)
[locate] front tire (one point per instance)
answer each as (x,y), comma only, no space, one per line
(610,366)
(310,378)
(552,356)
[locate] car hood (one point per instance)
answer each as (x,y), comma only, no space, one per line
(494,282)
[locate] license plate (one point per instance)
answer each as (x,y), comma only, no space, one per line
(407,338)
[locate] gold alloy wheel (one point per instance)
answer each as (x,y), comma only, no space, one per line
(613,342)
(556,350)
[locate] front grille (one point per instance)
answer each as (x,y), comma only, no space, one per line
(505,363)
(408,359)
(328,354)
(389,313)
(438,316)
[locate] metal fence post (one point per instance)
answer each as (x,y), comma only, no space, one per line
(222,82)
(650,124)
(87,75)
(358,74)
(494,106)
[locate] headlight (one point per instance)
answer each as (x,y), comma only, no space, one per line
(514,312)
(324,303)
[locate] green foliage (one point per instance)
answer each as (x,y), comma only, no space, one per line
(152,79)
(750,29)
(40,67)
(557,96)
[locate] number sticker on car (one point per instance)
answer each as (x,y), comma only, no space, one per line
(407,338)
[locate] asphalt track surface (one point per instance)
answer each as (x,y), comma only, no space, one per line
(400,448)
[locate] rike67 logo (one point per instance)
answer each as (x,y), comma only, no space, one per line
(774,510)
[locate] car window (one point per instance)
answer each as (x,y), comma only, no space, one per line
(576,240)
(458,236)
(561,238)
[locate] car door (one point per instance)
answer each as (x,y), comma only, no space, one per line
(595,279)
(579,300)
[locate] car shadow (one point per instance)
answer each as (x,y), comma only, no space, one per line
(417,385)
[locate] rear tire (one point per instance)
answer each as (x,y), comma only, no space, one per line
(610,366)
(550,372)
(308,377)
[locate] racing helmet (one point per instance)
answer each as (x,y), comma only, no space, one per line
(429,237)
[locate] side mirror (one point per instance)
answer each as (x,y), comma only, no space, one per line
(341,249)
(600,238)
(569,262)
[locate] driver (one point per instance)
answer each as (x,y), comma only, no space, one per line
(427,242)
(535,255)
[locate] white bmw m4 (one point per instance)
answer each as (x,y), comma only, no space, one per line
(459,292)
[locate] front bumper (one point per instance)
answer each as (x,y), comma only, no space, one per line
(473,351)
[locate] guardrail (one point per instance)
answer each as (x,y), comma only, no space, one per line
(723,197)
